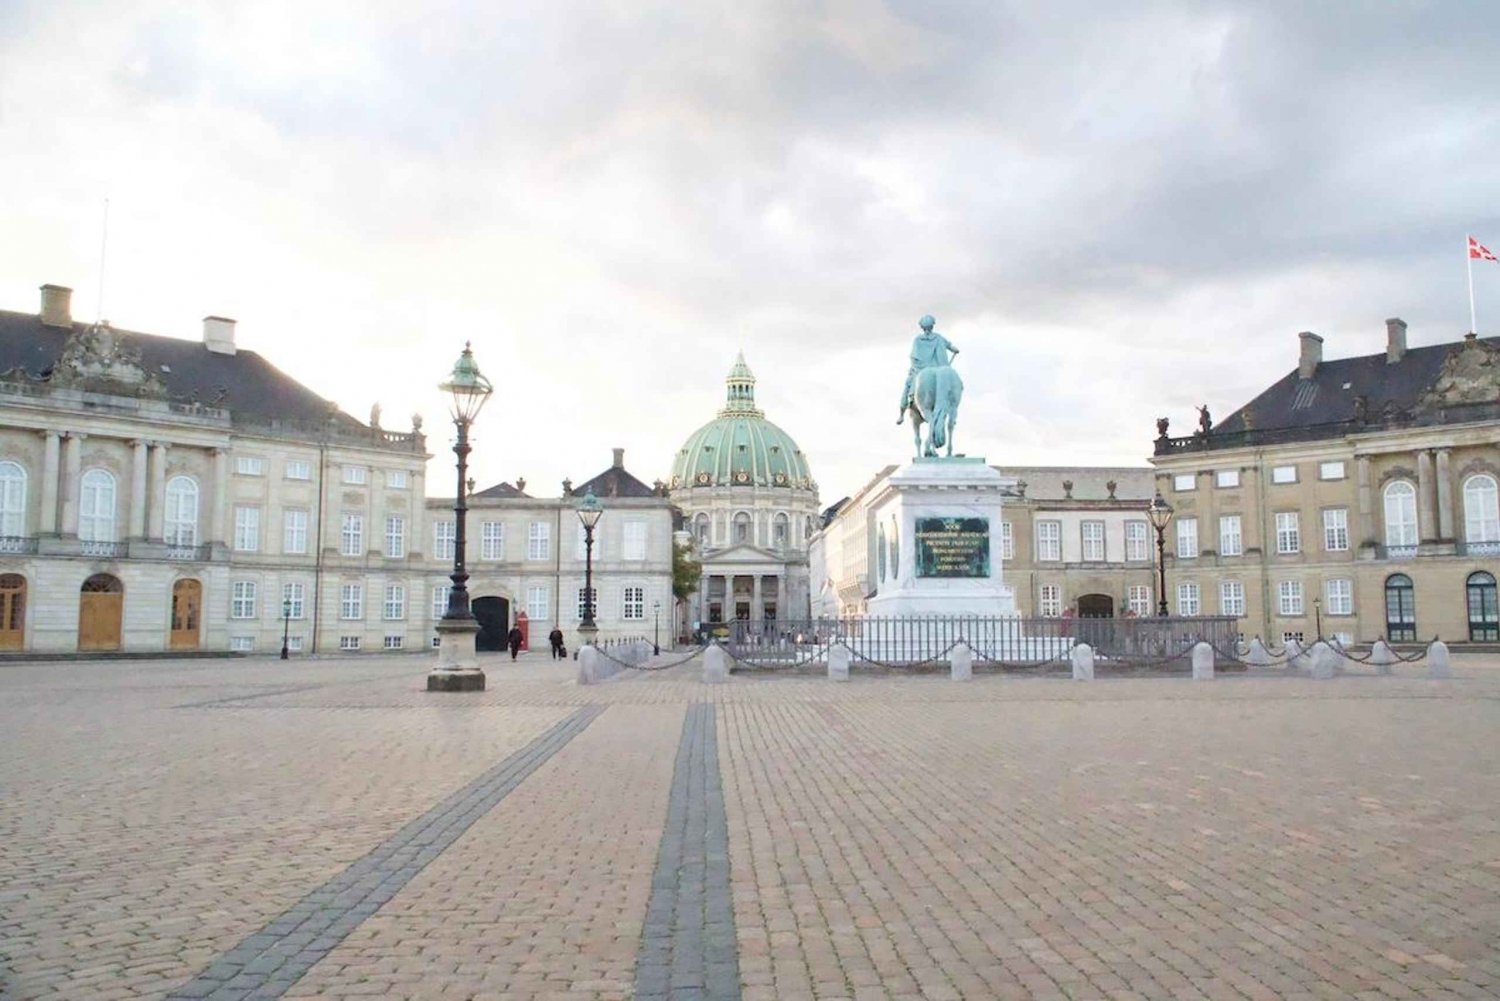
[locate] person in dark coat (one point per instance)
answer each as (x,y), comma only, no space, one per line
(555,637)
(513,640)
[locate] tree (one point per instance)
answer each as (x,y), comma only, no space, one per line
(686,571)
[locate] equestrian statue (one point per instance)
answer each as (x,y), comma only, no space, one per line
(932,392)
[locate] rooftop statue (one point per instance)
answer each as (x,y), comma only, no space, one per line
(932,392)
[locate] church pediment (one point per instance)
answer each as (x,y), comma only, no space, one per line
(744,553)
(1470,375)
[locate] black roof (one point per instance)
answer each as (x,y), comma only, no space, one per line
(502,489)
(614,482)
(243,382)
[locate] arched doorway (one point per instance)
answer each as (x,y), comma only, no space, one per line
(493,614)
(1400,609)
(1096,606)
(1484,608)
(1092,609)
(187,613)
(12,612)
(101,607)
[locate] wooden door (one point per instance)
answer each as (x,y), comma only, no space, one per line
(187,606)
(12,612)
(101,606)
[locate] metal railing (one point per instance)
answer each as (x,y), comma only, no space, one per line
(1478,549)
(108,550)
(188,553)
(17,544)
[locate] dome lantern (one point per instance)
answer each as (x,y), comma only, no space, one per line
(741,394)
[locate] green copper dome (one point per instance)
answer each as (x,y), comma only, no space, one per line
(740,448)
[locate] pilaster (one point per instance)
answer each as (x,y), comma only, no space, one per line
(156,519)
(138,490)
(1444,496)
(72,475)
(51,470)
(1426,524)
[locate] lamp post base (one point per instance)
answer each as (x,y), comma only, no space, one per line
(458,665)
(587,634)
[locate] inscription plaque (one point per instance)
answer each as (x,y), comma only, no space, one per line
(953,547)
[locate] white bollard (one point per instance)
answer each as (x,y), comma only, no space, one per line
(1083,662)
(962,663)
(1203,662)
(1382,656)
(1258,655)
(838,663)
(588,665)
(715,665)
(1438,665)
(1323,660)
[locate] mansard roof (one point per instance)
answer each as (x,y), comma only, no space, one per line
(503,489)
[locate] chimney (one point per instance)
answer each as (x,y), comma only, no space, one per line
(1312,354)
(1395,340)
(619,458)
(218,334)
(57,306)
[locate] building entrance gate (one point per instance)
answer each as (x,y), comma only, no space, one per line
(187,612)
(493,615)
(101,607)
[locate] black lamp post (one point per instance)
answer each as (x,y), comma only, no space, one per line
(1160,513)
(458,667)
(589,513)
(286,622)
(1318,615)
(656,627)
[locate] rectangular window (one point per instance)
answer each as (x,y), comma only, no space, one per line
(1283,474)
(241,644)
(242,600)
(352,535)
(1138,600)
(633,604)
(537,605)
(1050,604)
(395,602)
(443,540)
(395,479)
(1187,599)
(1231,543)
(395,642)
(1183,482)
(294,598)
(356,475)
(248,465)
(348,642)
(1187,538)
(1336,529)
(1007,541)
(1226,478)
(294,643)
(1289,597)
(395,537)
(298,469)
(1291,635)
(440,594)
(1137,546)
(1340,597)
(1049,542)
(1093,541)
(293,531)
(1231,598)
(492,540)
(352,601)
(539,541)
(1288,532)
(247,529)
(594,596)
(1330,470)
(633,546)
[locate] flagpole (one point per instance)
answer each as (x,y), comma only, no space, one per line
(1469,259)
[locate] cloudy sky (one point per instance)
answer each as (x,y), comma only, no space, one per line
(1116,210)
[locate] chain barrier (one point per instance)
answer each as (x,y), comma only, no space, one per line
(651,667)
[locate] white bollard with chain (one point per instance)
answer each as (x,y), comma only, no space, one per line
(1203,662)
(838,663)
(962,662)
(1082,656)
(1438,664)
(1382,657)
(715,665)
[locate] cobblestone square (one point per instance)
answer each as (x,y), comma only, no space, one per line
(257,829)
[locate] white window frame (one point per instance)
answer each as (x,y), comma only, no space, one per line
(349,644)
(1481,494)
(1232,598)
(440,593)
(1289,598)
(1288,532)
(356,475)
(98,495)
(1007,541)
(1138,599)
(395,642)
(13,482)
(1227,479)
(1231,535)
(396,479)
(444,540)
(492,540)
(1338,596)
(1283,474)
(1093,549)
(298,469)
(246,528)
(633,603)
(242,644)
(394,607)
(597,613)
(395,537)
(352,602)
(538,603)
(242,600)
(249,465)
(1184,482)
(295,592)
(539,541)
(1137,541)
(1189,598)
(1187,538)
(1403,529)
(1049,601)
(1049,542)
(352,534)
(1332,470)
(1336,529)
(633,539)
(294,531)
(180,522)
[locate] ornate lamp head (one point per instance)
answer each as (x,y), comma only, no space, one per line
(1160,512)
(590,510)
(467,386)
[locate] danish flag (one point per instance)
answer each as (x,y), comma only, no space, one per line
(1480,251)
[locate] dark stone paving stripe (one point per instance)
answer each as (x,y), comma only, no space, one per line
(266,964)
(688,949)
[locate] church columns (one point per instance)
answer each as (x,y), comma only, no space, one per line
(780,597)
(51,466)
(1366,501)
(216,531)
(757,605)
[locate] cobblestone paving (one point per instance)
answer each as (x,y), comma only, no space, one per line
(1250,837)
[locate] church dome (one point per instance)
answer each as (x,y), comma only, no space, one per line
(740,448)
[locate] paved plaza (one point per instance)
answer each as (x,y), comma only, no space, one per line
(254,829)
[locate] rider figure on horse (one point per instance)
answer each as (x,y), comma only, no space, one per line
(927,349)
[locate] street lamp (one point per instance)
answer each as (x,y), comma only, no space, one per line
(589,513)
(286,622)
(1160,513)
(1318,614)
(458,667)
(656,627)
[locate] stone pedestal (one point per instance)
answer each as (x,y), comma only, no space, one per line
(961,663)
(715,665)
(1203,662)
(457,668)
(937,535)
(1082,657)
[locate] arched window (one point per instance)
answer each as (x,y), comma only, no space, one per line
(182,511)
(1481,510)
(1400,514)
(1400,609)
(741,528)
(1484,608)
(12,499)
(700,529)
(781,532)
(96,510)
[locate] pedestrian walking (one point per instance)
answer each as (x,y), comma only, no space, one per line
(513,640)
(555,637)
